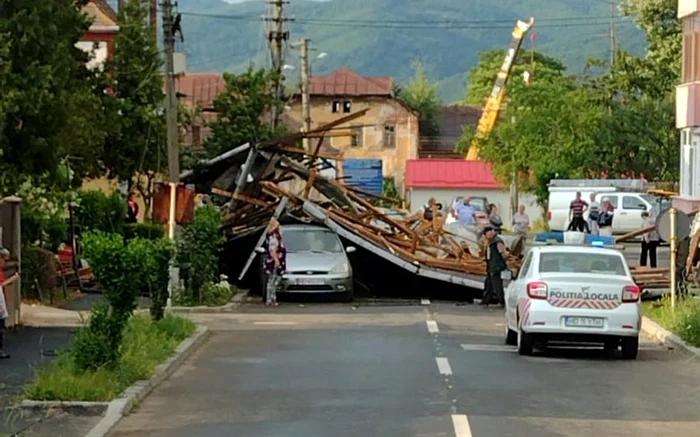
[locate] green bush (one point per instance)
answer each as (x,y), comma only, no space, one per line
(146,344)
(149,231)
(162,253)
(97,344)
(98,211)
(684,320)
(197,254)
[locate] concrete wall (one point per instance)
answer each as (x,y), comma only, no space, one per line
(419,197)
(370,128)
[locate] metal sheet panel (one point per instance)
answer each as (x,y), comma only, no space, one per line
(365,174)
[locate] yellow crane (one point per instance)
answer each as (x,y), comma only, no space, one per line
(493,104)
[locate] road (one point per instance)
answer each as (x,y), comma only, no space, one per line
(437,370)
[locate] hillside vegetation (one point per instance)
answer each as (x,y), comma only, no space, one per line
(384,37)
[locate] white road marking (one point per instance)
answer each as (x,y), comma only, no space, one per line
(487,348)
(432,326)
(274,323)
(443,366)
(425,301)
(461,425)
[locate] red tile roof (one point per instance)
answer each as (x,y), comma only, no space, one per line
(344,82)
(200,88)
(449,173)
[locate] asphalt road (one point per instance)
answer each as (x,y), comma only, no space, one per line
(437,370)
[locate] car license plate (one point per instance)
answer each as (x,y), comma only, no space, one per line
(584,322)
(310,281)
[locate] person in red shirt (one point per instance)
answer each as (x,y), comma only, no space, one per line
(132,211)
(4,256)
(576,209)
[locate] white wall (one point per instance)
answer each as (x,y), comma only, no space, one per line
(98,52)
(420,196)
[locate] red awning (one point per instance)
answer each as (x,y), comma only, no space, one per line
(449,173)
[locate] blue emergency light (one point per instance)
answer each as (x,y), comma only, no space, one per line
(589,240)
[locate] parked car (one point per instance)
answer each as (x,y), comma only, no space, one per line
(316,261)
(480,204)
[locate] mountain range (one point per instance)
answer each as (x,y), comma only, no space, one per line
(385,37)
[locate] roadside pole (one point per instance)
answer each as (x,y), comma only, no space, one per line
(674,249)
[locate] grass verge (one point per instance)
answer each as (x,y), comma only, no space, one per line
(146,344)
(684,321)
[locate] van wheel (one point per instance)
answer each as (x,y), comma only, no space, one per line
(525,343)
(511,337)
(630,348)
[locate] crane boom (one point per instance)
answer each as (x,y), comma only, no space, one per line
(493,103)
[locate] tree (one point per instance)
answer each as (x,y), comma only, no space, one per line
(42,76)
(421,94)
(483,75)
(136,143)
(240,110)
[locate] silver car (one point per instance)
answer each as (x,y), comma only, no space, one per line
(316,261)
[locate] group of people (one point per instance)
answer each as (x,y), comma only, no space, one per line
(600,215)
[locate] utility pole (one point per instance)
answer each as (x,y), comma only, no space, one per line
(172,132)
(613,42)
(305,92)
(276,37)
(153,17)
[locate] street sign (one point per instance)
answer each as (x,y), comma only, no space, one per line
(365,174)
(683,224)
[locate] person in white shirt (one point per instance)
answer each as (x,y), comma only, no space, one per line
(521,222)
(593,214)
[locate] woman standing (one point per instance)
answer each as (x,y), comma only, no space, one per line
(495,219)
(4,256)
(275,261)
(605,218)
(650,241)
(132,209)
(521,222)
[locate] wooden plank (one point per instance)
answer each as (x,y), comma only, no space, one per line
(241,197)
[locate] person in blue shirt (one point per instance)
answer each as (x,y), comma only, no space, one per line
(465,212)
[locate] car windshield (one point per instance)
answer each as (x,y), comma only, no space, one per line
(568,262)
(311,240)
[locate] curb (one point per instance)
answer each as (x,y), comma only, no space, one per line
(657,332)
(131,397)
(236,301)
(80,408)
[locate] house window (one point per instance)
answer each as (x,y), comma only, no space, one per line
(390,136)
(347,106)
(336,107)
(690,163)
(357,134)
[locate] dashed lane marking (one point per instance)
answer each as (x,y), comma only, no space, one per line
(443,366)
(432,326)
(461,425)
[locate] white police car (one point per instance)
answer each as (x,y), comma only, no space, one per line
(568,294)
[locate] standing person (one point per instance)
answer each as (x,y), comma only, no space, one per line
(4,256)
(605,219)
(132,209)
(593,214)
(521,222)
(495,265)
(650,241)
(466,212)
(495,219)
(275,261)
(576,209)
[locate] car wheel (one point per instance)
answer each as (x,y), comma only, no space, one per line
(630,348)
(525,343)
(511,337)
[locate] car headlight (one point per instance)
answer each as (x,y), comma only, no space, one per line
(342,268)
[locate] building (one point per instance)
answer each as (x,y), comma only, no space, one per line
(99,39)
(445,179)
(688,107)
(198,90)
(450,121)
(388,131)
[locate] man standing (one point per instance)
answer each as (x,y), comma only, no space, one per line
(650,241)
(576,209)
(521,222)
(465,212)
(593,215)
(495,266)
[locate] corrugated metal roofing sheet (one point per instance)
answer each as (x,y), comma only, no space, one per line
(449,173)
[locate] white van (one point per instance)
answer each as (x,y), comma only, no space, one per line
(628,208)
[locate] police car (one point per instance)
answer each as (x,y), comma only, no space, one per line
(566,294)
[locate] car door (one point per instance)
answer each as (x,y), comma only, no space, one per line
(514,290)
(631,213)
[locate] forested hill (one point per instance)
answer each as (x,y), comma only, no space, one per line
(384,37)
